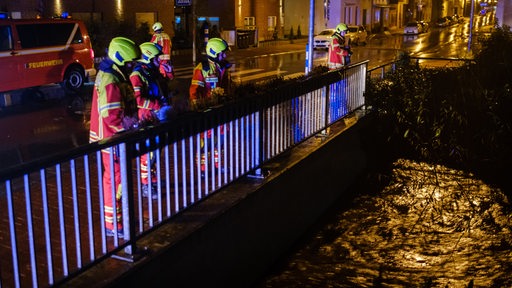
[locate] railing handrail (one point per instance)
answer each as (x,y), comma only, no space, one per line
(312,81)
(193,155)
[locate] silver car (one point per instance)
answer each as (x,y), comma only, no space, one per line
(321,41)
(413,28)
(357,34)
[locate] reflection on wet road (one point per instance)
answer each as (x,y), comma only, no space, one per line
(20,144)
(38,129)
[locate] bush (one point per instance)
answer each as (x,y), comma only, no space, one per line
(457,116)
(291,36)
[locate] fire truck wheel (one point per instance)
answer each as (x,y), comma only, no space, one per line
(73,79)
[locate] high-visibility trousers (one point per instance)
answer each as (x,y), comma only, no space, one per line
(108,204)
(208,141)
(147,166)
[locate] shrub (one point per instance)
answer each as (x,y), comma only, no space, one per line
(458,116)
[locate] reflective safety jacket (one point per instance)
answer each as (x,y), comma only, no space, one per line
(338,50)
(163,40)
(149,91)
(112,100)
(208,75)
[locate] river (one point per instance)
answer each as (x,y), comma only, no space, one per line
(430,226)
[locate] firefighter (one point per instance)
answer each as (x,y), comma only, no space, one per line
(152,98)
(210,80)
(210,74)
(111,100)
(339,48)
(339,56)
(161,38)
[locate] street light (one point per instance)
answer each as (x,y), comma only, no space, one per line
(309,47)
(471,24)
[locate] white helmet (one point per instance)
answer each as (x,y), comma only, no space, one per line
(157,26)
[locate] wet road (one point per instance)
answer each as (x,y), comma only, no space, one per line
(38,129)
(413,233)
(43,126)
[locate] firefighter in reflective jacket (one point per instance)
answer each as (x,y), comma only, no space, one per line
(111,98)
(210,78)
(161,38)
(151,94)
(339,48)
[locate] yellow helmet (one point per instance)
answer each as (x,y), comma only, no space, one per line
(341,27)
(216,46)
(157,26)
(122,49)
(149,50)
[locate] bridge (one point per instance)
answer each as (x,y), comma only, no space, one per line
(227,206)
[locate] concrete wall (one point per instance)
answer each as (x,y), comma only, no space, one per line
(235,235)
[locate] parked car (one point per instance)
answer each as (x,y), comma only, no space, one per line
(357,34)
(413,28)
(443,22)
(424,25)
(458,19)
(321,41)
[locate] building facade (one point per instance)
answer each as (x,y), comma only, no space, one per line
(138,12)
(184,18)
(270,18)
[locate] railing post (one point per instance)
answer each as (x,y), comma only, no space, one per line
(259,172)
(325,131)
(131,252)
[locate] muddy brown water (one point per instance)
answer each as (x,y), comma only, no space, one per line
(431,226)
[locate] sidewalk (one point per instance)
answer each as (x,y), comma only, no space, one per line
(184,57)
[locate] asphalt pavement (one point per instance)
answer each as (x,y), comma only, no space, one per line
(185,57)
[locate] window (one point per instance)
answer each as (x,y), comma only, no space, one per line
(272,21)
(40,35)
(5,38)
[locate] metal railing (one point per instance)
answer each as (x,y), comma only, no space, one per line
(379,72)
(52,210)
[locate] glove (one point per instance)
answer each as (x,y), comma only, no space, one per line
(167,70)
(130,122)
(194,104)
(164,112)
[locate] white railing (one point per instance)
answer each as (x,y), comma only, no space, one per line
(52,210)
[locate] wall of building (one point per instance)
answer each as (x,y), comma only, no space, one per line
(335,10)
(155,10)
(26,9)
(223,9)
(504,13)
(296,14)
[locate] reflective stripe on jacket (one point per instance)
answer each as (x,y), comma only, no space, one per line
(334,56)
(204,80)
(107,106)
(163,40)
(142,84)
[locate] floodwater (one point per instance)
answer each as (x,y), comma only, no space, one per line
(431,226)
